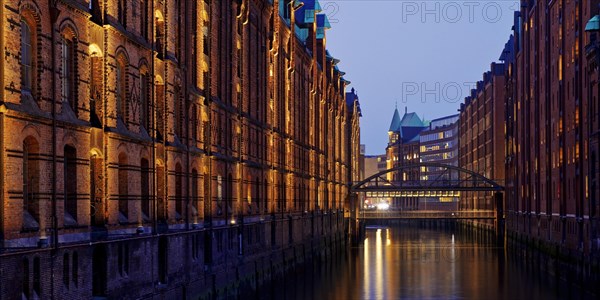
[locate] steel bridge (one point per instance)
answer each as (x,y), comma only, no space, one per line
(449,181)
(429,214)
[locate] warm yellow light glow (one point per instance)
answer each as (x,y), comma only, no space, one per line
(94,50)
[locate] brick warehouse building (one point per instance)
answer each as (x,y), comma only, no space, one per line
(147,144)
(403,150)
(481,135)
(547,154)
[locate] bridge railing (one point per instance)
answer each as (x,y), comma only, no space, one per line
(464,214)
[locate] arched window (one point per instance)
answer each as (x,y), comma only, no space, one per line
(178,191)
(31,172)
(121,87)
(69,69)
(28,44)
(123,189)
(70,185)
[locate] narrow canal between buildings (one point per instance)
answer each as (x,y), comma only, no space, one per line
(413,262)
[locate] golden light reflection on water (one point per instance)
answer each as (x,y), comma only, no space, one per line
(376,278)
(379,280)
(418,263)
(367,270)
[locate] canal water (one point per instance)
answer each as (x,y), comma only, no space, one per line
(412,262)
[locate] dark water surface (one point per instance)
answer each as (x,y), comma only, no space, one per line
(406,262)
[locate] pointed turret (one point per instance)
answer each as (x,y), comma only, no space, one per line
(396,122)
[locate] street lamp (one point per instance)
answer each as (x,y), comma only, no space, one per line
(592,50)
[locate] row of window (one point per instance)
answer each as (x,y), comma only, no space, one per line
(438,136)
(125,96)
(31,189)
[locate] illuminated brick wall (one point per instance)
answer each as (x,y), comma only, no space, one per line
(186,115)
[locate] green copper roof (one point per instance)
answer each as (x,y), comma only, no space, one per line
(411,120)
(593,24)
(395,125)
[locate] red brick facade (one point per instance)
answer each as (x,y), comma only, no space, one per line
(159,133)
(548,155)
(481,136)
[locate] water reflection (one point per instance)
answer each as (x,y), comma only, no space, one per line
(405,262)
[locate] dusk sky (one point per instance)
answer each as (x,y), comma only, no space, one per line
(419,54)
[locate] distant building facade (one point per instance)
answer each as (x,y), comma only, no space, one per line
(439,144)
(481,135)
(403,150)
(375,164)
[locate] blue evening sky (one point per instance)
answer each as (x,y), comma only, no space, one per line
(420,54)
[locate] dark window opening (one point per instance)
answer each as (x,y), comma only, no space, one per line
(99,271)
(66,270)
(37,278)
(162,260)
